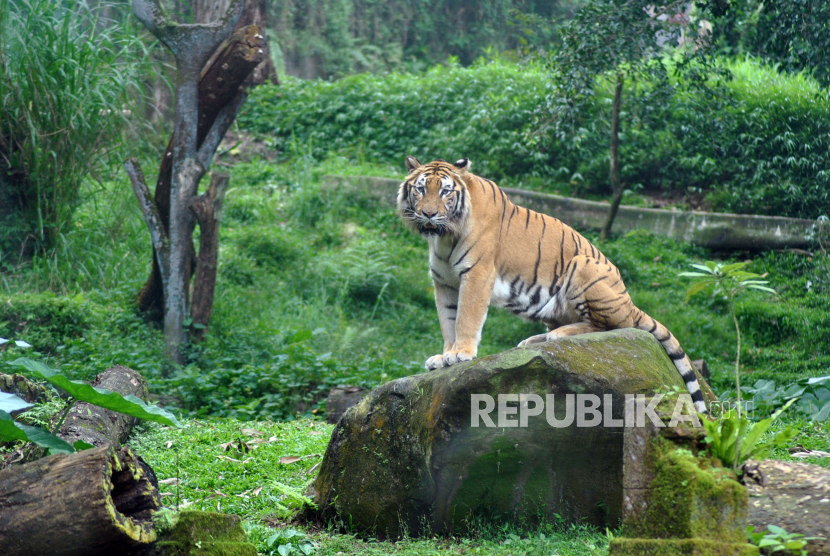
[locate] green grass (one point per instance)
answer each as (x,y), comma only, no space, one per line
(234,467)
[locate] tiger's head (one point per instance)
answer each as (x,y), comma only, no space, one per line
(433,199)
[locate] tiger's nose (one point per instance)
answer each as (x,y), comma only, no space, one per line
(430,214)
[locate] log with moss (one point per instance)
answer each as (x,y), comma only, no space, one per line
(98,501)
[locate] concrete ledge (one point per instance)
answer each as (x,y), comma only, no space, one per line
(708,229)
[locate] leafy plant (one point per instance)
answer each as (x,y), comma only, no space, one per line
(78,391)
(776,539)
(293,500)
(734,439)
(729,280)
(290,541)
(813,395)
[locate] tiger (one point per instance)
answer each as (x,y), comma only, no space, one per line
(485,250)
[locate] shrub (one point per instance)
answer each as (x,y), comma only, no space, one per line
(45,321)
(484,112)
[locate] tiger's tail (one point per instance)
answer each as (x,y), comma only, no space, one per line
(678,357)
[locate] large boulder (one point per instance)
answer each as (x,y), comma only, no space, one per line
(408,458)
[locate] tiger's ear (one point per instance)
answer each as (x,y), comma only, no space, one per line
(412,163)
(463,165)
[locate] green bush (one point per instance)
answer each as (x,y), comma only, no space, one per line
(758,143)
(761,146)
(45,321)
(484,112)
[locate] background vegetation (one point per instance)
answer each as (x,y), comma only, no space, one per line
(68,82)
(333,38)
(758,142)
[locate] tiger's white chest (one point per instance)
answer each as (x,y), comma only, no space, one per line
(444,260)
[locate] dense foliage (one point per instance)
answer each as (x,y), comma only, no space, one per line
(756,143)
(484,112)
(793,34)
(324,38)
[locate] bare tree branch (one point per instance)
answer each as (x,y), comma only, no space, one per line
(151,215)
(152,15)
(191,44)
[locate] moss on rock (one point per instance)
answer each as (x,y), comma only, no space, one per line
(198,533)
(679,547)
(690,497)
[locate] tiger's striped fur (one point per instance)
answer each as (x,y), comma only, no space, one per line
(484,250)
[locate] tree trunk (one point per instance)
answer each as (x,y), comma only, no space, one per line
(193,46)
(614,170)
(218,86)
(207,208)
(98,501)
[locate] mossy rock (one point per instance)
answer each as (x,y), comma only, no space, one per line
(198,533)
(406,458)
(690,498)
(205,548)
(679,547)
(194,526)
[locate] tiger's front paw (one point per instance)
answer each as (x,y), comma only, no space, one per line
(534,340)
(457,356)
(434,362)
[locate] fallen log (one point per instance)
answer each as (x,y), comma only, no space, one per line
(98,501)
(21,386)
(98,426)
(93,424)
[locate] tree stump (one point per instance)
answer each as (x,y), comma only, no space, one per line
(98,501)
(342,398)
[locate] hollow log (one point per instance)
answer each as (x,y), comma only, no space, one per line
(98,501)
(220,83)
